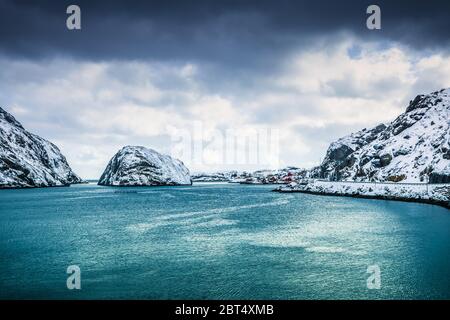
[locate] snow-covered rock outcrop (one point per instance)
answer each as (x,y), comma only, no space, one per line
(139,166)
(27,160)
(415,147)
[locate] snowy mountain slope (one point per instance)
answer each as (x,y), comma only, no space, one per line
(414,147)
(139,166)
(27,160)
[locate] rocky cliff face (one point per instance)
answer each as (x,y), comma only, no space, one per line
(415,147)
(139,166)
(27,160)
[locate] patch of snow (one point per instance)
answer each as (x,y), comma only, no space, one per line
(412,191)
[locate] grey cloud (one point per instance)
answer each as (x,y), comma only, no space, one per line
(348,87)
(238,33)
(237,43)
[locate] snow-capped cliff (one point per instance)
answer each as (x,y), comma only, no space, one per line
(27,160)
(139,166)
(415,147)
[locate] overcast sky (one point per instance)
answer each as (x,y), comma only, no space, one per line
(138,70)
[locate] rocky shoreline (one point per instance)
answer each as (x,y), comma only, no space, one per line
(431,194)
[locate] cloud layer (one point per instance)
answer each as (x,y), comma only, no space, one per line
(225,32)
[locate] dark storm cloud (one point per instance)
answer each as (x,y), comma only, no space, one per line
(240,33)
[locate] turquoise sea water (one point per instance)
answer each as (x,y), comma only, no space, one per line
(218,241)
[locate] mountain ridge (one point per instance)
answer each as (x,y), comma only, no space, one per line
(415,147)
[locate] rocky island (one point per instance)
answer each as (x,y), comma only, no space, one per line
(140,166)
(29,161)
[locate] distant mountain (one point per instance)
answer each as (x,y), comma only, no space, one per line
(284,175)
(225,176)
(27,160)
(415,147)
(139,166)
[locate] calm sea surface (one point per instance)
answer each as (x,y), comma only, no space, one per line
(218,241)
